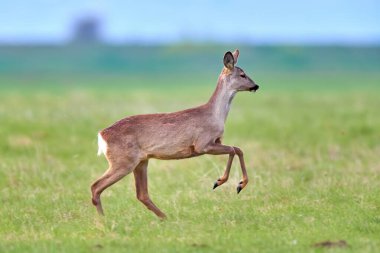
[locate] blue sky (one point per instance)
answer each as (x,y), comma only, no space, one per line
(261,22)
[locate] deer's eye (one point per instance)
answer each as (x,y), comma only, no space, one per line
(242,75)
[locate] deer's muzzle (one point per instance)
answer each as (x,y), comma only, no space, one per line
(254,88)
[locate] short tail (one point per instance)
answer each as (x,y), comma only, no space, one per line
(102,145)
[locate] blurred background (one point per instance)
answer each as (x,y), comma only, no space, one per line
(65,41)
(310,134)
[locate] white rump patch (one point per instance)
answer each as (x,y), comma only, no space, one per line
(102,145)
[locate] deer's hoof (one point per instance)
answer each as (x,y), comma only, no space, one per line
(217,183)
(238,189)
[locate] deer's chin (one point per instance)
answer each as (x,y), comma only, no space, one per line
(246,89)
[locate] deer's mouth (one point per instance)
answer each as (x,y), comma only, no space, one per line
(254,88)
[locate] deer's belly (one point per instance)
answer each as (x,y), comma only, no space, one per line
(169,153)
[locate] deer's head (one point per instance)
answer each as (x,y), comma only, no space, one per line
(235,77)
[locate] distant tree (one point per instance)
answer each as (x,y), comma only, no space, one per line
(86,30)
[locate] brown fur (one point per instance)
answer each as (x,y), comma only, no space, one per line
(132,141)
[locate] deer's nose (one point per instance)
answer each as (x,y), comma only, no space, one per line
(254,88)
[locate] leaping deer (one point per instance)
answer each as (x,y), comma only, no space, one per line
(129,143)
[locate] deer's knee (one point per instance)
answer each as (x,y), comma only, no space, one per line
(93,188)
(231,150)
(238,151)
(95,201)
(95,194)
(142,198)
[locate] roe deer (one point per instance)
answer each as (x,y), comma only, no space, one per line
(129,143)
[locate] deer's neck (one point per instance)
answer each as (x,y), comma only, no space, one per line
(220,101)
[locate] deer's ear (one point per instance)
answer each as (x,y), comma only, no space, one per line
(236,55)
(228,60)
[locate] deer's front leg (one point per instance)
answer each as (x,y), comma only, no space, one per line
(244,181)
(226,174)
(219,149)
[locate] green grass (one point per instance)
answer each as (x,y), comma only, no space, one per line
(311,143)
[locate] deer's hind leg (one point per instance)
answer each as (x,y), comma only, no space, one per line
(119,167)
(141,181)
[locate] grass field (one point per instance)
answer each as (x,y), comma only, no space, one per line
(311,143)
